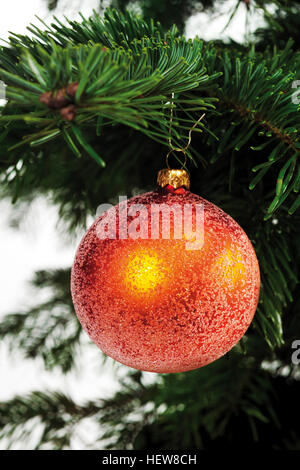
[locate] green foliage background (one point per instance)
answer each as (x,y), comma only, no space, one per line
(244,158)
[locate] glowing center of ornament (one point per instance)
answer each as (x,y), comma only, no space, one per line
(144,272)
(233,267)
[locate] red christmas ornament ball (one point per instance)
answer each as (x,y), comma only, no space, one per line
(157,304)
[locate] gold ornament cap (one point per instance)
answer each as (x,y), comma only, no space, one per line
(175,178)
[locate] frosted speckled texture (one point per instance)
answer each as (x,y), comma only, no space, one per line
(156,306)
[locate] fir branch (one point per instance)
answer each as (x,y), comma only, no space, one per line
(49,330)
(126,79)
(56,412)
(127,68)
(59,416)
(256,96)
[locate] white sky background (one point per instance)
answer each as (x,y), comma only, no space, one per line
(38,244)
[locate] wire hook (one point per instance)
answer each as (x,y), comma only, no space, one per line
(179,149)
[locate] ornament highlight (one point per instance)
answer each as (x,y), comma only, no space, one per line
(166,281)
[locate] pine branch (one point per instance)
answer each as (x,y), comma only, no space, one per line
(59,416)
(202,401)
(49,330)
(56,412)
(128,78)
(275,249)
(228,397)
(255,99)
